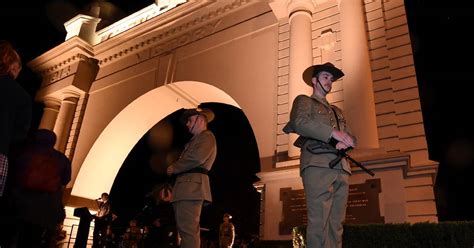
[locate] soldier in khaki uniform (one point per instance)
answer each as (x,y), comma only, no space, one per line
(192,188)
(226,232)
(326,183)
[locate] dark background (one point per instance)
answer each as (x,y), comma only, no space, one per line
(443,50)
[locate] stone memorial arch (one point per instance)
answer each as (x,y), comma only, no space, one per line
(103,161)
(99,86)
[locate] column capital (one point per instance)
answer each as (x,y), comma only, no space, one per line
(70,95)
(284,8)
(52,102)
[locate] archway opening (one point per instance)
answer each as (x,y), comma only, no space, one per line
(232,175)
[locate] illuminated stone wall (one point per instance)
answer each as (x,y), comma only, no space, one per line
(249,54)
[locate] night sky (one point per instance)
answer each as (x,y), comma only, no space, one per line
(440,39)
(443,47)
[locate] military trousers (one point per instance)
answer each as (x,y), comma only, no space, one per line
(187,214)
(326,192)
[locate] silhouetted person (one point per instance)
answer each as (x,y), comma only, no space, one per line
(133,235)
(15,107)
(102,219)
(160,221)
(15,120)
(41,174)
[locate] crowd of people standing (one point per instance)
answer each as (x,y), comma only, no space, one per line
(33,174)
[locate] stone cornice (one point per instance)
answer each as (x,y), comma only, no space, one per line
(66,53)
(161,22)
(160,40)
(160,35)
(158,10)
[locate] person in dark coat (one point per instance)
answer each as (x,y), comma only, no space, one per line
(160,221)
(15,121)
(15,108)
(102,220)
(39,210)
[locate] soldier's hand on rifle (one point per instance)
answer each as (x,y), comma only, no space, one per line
(342,146)
(343,137)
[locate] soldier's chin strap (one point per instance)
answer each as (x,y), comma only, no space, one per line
(325,91)
(194,124)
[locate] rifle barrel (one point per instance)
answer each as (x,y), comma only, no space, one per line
(359,164)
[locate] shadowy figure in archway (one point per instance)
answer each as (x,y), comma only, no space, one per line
(159,219)
(226,232)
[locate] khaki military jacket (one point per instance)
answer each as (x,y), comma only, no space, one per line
(200,151)
(315,118)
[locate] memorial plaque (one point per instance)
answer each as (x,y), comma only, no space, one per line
(363,203)
(362,206)
(294,209)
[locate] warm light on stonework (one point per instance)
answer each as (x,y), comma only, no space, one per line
(85,26)
(137,18)
(111,148)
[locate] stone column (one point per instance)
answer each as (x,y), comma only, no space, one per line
(50,113)
(301,57)
(64,121)
(359,104)
(299,13)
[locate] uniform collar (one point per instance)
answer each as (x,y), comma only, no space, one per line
(321,100)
